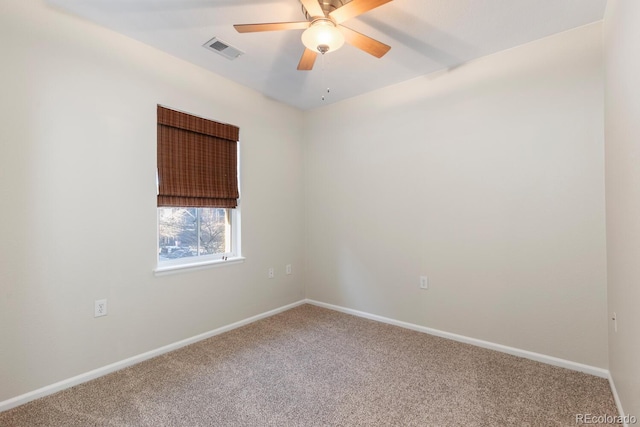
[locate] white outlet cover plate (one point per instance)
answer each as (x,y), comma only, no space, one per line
(100,308)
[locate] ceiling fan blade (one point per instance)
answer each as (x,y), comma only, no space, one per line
(365,43)
(307,60)
(313,7)
(355,8)
(276,26)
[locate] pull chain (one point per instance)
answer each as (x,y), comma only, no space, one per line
(324,83)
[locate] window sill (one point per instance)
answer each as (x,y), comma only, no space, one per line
(193,266)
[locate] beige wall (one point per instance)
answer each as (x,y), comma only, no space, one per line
(622,153)
(489,180)
(77,191)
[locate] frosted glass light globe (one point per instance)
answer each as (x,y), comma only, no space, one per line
(323,35)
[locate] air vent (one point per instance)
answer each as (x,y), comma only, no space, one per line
(223,48)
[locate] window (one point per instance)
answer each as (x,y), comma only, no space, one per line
(198,215)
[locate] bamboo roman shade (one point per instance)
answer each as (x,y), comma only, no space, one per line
(197,161)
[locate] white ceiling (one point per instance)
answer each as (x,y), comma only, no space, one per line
(425,36)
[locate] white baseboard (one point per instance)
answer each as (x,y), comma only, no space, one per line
(598,372)
(87,376)
(616,398)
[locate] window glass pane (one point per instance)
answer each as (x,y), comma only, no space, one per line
(213,227)
(193,232)
(178,232)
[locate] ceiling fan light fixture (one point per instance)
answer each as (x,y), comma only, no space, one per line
(323,36)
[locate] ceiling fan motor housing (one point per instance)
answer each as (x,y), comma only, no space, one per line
(327,6)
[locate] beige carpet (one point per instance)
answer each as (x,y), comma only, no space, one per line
(315,367)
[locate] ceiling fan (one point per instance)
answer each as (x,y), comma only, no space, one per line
(324,31)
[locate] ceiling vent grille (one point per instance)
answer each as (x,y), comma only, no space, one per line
(223,48)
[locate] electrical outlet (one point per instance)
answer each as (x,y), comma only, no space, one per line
(288,269)
(424,282)
(100,308)
(272,273)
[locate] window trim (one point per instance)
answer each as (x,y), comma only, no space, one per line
(194,266)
